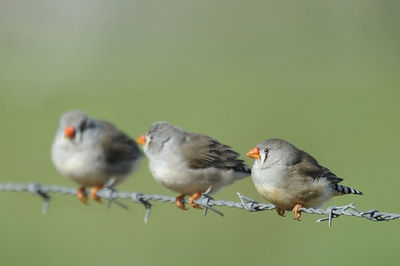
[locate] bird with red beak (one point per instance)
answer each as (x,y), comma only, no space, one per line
(91,152)
(190,163)
(291,179)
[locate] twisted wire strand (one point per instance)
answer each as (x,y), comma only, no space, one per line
(207,202)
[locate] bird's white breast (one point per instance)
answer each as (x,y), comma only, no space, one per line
(270,178)
(82,165)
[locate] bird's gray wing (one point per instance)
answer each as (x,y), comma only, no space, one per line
(308,166)
(118,147)
(202,151)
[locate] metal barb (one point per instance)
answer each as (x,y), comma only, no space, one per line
(139,197)
(336,211)
(248,204)
(109,192)
(35,188)
(205,202)
(110,182)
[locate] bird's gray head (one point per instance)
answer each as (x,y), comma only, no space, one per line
(274,151)
(74,123)
(158,135)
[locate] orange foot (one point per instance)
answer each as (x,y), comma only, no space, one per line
(194,197)
(179,203)
(81,195)
(280,212)
(93,192)
(296,211)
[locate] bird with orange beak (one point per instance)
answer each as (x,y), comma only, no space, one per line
(190,163)
(291,179)
(91,152)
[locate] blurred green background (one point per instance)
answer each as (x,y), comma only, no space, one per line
(321,74)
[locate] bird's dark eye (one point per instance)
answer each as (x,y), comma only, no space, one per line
(266,150)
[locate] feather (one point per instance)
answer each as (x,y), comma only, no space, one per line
(202,151)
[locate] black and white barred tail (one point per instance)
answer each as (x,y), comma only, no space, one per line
(346,190)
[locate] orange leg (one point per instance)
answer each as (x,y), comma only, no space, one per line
(179,203)
(194,197)
(280,212)
(93,192)
(81,195)
(296,211)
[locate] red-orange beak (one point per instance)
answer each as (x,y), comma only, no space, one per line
(69,132)
(254,153)
(141,140)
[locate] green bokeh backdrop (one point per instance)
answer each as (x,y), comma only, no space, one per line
(321,74)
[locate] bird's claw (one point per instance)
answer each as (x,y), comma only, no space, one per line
(93,193)
(296,211)
(193,198)
(179,202)
(82,195)
(280,212)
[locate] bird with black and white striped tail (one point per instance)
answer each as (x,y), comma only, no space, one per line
(291,179)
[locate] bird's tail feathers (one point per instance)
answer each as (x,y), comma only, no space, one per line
(345,190)
(242,171)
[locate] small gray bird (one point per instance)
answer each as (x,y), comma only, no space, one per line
(190,163)
(91,151)
(291,179)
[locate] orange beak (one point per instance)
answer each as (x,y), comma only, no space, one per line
(141,140)
(69,132)
(254,153)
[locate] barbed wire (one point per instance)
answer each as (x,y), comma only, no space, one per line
(206,201)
